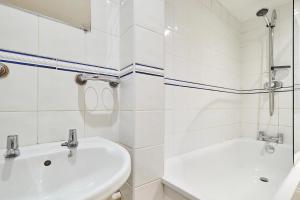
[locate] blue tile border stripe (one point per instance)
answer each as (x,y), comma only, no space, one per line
(201,88)
(143,65)
(56,59)
(71,70)
(54,68)
(89,65)
(26,54)
(126,74)
(218,88)
(141,69)
(202,84)
(21,58)
(146,73)
(28,64)
(223,91)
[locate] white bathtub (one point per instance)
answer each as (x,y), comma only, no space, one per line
(229,171)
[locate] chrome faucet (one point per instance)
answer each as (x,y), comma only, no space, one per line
(262,136)
(72,141)
(12,146)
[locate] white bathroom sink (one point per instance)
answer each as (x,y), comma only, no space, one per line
(94,171)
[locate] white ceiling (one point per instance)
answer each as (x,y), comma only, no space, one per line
(246,9)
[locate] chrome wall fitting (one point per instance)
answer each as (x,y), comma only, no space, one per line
(262,136)
(81,79)
(275,85)
(270,24)
(4,71)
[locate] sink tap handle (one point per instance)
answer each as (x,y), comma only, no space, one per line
(12,142)
(12,146)
(72,140)
(73,136)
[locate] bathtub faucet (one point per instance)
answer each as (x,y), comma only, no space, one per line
(262,136)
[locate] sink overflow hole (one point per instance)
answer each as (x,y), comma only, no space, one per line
(47,163)
(264,179)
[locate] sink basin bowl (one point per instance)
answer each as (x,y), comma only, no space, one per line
(95,170)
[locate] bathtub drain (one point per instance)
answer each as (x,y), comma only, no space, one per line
(264,179)
(47,163)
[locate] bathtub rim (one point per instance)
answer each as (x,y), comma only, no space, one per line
(181,191)
(186,192)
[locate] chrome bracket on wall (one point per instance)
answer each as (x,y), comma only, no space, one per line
(4,71)
(82,79)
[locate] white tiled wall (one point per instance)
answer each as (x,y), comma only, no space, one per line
(202,46)
(205,44)
(254,64)
(149,45)
(22,123)
(40,104)
(60,41)
(142,95)
(20,32)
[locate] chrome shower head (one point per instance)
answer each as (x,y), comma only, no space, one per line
(263,13)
